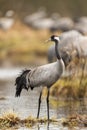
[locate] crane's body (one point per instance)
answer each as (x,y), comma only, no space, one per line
(45,75)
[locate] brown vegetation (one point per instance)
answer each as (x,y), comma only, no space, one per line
(11,120)
(76,120)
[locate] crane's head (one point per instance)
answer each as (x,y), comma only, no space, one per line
(53,38)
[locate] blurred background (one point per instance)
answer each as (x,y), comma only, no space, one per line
(24,26)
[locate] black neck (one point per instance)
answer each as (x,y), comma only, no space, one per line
(56,50)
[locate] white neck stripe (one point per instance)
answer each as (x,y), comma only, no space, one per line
(57,38)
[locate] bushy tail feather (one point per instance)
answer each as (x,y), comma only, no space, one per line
(20,82)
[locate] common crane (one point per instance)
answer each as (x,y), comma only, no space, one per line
(45,75)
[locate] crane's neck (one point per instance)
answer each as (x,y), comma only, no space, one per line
(57,50)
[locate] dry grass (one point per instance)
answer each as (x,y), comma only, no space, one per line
(75,120)
(31,121)
(10,120)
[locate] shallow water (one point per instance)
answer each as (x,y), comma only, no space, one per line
(27,105)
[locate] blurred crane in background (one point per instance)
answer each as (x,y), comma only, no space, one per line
(62,24)
(69,43)
(81,25)
(7,21)
(34,17)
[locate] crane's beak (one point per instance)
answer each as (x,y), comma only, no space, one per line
(47,40)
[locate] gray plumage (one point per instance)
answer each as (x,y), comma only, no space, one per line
(45,75)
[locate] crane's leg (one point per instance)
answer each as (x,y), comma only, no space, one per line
(39,102)
(48,104)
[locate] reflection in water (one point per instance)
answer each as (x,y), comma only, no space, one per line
(27,105)
(48,127)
